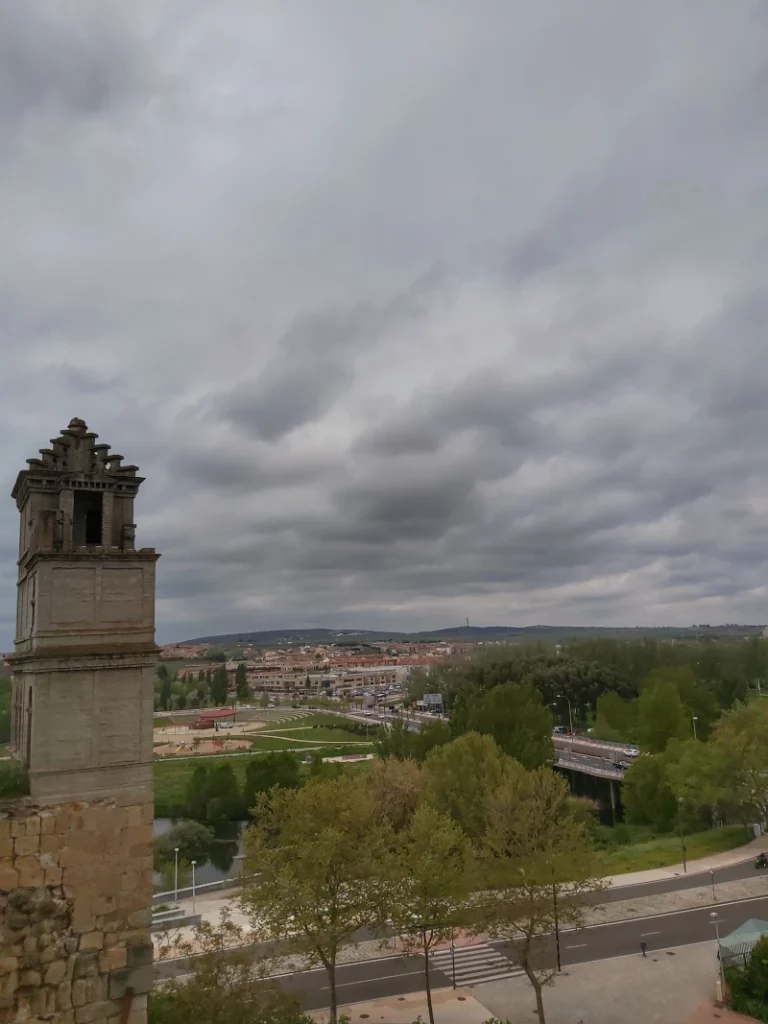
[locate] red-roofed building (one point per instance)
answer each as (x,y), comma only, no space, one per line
(209,718)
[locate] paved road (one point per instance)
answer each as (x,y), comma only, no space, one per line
(692,880)
(396,976)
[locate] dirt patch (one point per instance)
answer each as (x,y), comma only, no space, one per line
(179,733)
(186,748)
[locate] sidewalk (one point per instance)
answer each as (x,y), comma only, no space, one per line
(716,861)
(451,1007)
(211,905)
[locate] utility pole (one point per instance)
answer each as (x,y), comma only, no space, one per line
(562,696)
(682,836)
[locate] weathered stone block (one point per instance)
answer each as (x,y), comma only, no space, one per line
(33,825)
(51,843)
(95,1012)
(64,995)
(56,972)
(6,847)
(30,872)
(9,878)
(139,950)
(79,992)
(113,959)
(30,979)
(26,846)
(87,965)
(91,941)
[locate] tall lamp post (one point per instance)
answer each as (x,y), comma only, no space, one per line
(713,919)
(562,696)
(194,901)
(694,719)
(682,836)
(175,874)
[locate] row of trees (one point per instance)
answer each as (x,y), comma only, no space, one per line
(711,676)
(470,841)
(214,793)
(208,687)
(700,783)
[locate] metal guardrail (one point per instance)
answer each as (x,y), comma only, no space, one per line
(587,769)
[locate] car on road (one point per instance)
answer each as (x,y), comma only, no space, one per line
(621,765)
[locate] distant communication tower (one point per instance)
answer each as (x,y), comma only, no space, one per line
(467,622)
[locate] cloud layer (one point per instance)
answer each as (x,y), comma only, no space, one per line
(408,312)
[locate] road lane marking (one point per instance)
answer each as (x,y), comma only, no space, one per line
(666,913)
(645,935)
(581,945)
(372,981)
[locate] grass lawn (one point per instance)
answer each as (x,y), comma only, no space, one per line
(171,777)
(307,721)
(272,743)
(324,733)
(661,852)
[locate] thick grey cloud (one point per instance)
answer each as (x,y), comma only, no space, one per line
(407,311)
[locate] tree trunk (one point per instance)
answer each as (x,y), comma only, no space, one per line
(331,971)
(428,986)
(537,989)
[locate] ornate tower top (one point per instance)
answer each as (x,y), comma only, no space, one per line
(85,652)
(76,496)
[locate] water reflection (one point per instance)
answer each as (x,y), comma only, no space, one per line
(222,858)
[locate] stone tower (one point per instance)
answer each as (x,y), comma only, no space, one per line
(76,853)
(85,656)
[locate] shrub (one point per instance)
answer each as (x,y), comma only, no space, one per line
(14,780)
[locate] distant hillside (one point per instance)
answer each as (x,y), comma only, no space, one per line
(531,633)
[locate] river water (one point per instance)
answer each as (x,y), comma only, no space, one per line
(223,859)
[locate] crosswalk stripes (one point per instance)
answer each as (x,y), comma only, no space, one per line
(474,964)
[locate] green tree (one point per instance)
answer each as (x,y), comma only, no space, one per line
(430,735)
(431,881)
(242,688)
(647,794)
(547,863)
(316,859)
(226,984)
(192,838)
(219,686)
(661,716)
(461,775)
(225,802)
(198,792)
(276,769)
(398,788)
(615,718)
(394,741)
(516,718)
(740,742)
(264,699)
(165,688)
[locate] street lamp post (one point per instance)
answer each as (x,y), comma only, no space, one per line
(694,719)
(682,836)
(562,696)
(712,880)
(714,920)
(194,901)
(175,874)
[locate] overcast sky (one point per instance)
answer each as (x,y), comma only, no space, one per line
(409,311)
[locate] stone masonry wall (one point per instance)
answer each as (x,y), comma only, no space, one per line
(75,897)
